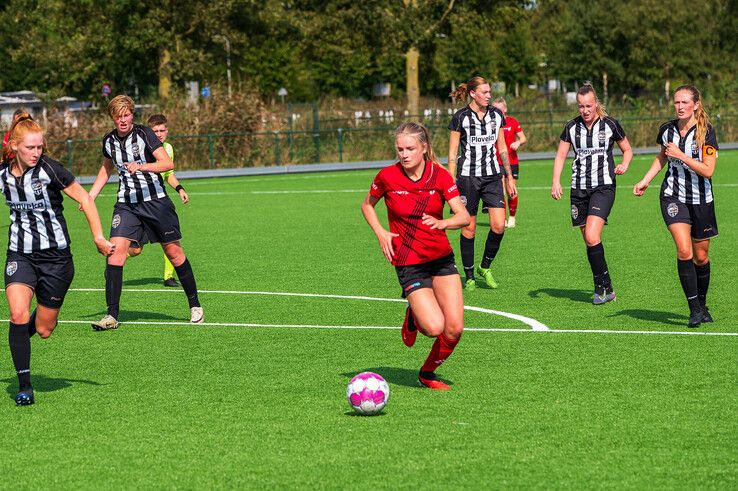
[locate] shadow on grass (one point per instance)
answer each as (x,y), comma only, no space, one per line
(42,383)
(159,280)
(136,315)
(654,315)
(396,376)
(354,413)
(584,296)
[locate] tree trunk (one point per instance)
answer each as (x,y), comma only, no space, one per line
(165,80)
(413,88)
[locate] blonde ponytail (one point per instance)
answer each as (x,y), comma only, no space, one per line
(587,88)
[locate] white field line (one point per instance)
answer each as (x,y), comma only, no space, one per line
(534,324)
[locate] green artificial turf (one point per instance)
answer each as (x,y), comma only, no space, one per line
(163,404)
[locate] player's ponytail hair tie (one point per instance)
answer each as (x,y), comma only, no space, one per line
(462,91)
(699,113)
(588,88)
(420,133)
(21,126)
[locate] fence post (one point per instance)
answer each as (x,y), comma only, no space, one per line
(316,131)
(277,157)
(70,153)
(211,150)
(340,144)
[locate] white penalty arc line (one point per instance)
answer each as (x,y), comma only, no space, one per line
(534,324)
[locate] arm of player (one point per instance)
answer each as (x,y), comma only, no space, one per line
(102,178)
(87,204)
(624,145)
(459,219)
(174,182)
(383,236)
(453,151)
(163,163)
(559,160)
(512,189)
(706,168)
(520,140)
(656,166)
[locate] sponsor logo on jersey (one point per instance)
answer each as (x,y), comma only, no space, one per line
(11,268)
(451,189)
(574,212)
(676,161)
(601,137)
(116,220)
(26,206)
(481,140)
(672,210)
(586,152)
(374,186)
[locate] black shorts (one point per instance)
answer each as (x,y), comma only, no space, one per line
(48,273)
(515,168)
(597,202)
(419,276)
(700,217)
(488,189)
(149,221)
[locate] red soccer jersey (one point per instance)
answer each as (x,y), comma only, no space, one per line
(407,201)
(511,128)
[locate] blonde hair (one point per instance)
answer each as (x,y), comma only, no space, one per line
(120,103)
(587,88)
(462,91)
(22,125)
(703,120)
(419,132)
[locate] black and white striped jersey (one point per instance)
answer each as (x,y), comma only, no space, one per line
(35,202)
(478,142)
(593,163)
(681,181)
(137,146)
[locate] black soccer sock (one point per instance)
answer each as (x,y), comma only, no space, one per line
(113,288)
(600,274)
(187,279)
(20,351)
(688,278)
(491,247)
(32,324)
(703,281)
(467,256)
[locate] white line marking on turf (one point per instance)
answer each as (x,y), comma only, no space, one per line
(534,324)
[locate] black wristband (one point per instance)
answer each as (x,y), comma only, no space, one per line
(179,188)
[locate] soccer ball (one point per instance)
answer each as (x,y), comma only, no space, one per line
(367,393)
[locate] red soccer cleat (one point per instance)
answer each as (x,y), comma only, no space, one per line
(430,381)
(409,329)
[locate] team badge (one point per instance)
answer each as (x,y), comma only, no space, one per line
(136,150)
(672,210)
(602,137)
(37,186)
(463,200)
(574,212)
(694,148)
(116,221)
(11,268)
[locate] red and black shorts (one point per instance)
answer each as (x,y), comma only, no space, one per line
(597,202)
(148,221)
(701,217)
(48,273)
(417,276)
(488,189)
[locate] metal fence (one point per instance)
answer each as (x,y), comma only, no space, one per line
(275,148)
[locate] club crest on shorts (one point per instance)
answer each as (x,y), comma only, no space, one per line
(116,220)
(463,199)
(601,137)
(574,212)
(672,210)
(11,268)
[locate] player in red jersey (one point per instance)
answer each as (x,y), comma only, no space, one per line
(415,190)
(514,139)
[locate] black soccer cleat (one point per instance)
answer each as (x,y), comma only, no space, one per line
(171,283)
(695,318)
(706,317)
(24,398)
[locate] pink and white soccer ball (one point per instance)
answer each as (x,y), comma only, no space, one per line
(367,393)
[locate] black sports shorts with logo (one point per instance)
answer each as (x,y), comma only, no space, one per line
(700,217)
(417,276)
(488,189)
(597,202)
(148,221)
(515,169)
(49,273)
